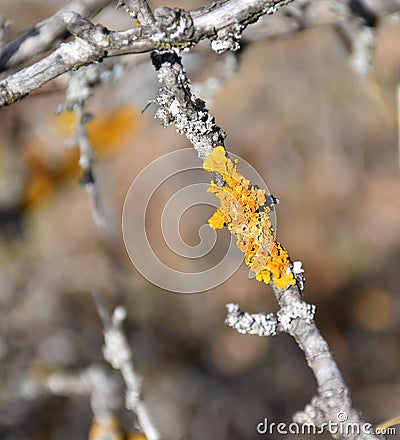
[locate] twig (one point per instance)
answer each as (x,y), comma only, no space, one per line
(389,423)
(66,57)
(103,390)
(86,162)
(263,324)
(333,396)
(224,21)
(178,106)
(116,351)
(140,10)
(43,35)
(5,26)
(79,90)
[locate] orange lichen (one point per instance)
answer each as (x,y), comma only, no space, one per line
(244,212)
(218,220)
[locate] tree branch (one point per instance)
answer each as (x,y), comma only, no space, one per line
(117,353)
(333,396)
(179,107)
(175,29)
(67,57)
(332,402)
(102,389)
(79,90)
(43,35)
(222,22)
(140,10)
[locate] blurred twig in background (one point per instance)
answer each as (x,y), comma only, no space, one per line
(118,354)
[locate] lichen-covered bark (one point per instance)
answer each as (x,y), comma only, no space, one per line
(177,106)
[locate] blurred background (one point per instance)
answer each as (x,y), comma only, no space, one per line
(324,139)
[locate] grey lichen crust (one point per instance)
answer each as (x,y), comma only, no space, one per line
(178,106)
(263,324)
(260,324)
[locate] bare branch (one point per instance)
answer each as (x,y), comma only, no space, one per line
(178,106)
(68,56)
(96,42)
(222,21)
(263,324)
(332,402)
(5,26)
(260,324)
(103,390)
(79,90)
(116,351)
(140,10)
(42,36)
(333,396)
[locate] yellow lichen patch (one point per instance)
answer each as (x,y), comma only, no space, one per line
(244,212)
(279,266)
(218,220)
(217,162)
(263,276)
